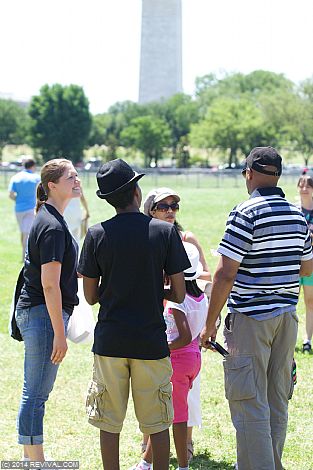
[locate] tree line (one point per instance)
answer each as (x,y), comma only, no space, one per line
(229,114)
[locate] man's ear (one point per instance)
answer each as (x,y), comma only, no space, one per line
(137,194)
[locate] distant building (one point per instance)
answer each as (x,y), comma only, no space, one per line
(161,50)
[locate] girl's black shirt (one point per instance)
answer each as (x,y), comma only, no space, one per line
(49,240)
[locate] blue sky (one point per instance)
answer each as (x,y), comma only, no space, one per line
(96,43)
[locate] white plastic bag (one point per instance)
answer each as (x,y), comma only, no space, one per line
(81,323)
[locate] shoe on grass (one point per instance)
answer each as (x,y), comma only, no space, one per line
(142,465)
(306,348)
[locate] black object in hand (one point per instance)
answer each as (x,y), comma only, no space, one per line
(219,348)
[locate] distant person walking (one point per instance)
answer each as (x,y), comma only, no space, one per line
(265,248)
(22,190)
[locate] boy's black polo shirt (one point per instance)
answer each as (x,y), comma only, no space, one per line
(130,253)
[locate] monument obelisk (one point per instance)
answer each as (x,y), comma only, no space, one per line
(161,50)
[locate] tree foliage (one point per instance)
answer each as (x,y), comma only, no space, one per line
(231,125)
(242,111)
(149,134)
(60,121)
(13,123)
(231,112)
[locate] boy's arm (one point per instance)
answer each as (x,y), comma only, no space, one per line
(91,289)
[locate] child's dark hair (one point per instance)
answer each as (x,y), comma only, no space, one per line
(193,289)
(122,199)
(305,178)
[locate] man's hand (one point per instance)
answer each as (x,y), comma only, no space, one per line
(206,335)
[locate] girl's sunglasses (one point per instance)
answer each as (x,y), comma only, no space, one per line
(163,207)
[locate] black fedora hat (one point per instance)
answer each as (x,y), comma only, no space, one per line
(115,176)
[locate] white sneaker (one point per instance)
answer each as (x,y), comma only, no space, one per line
(140,467)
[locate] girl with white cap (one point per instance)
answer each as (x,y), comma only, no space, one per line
(163,203)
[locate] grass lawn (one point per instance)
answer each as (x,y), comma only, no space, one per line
(68,436)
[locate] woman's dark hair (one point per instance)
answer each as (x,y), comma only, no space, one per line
(50,172)
(193,289)
(178,226)
(123,199)
(305,178)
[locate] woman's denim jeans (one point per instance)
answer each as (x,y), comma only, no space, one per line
(39,372)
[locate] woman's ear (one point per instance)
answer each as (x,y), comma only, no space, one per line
(51,185)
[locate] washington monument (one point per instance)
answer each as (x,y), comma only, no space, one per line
(161,50)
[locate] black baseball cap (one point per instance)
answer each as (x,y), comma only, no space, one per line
(261,157)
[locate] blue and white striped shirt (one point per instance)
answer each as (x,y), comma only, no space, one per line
(269,237)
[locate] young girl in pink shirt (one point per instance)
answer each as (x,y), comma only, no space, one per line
(184,323)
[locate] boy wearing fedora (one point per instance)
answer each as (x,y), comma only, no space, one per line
(123,261)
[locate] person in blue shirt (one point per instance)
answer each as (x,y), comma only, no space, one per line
(22,190)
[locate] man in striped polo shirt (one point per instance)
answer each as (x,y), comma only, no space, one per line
(266,246)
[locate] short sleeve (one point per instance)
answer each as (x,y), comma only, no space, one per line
(52,246)
(238,236)
(176,259)
(307,249)
(181,307)
(88,265)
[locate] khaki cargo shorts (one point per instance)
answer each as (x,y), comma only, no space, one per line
(108,392)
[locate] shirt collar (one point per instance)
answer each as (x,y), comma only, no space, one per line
(274,191)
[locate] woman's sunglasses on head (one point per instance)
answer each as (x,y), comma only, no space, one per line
(163,207)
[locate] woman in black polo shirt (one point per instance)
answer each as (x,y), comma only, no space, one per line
(47,299)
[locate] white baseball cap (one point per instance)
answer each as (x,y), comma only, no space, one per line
(156,195)
(196,268)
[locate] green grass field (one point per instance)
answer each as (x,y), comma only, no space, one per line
(68,436)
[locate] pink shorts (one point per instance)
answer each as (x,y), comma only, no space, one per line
(186,366)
